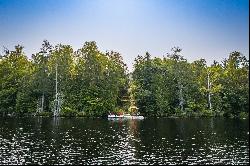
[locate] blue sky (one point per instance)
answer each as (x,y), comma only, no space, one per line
(209,29)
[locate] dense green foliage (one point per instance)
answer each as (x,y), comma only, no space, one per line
(90,83)
(93,83)
(172,86)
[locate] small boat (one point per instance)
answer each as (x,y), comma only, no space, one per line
(115,116)
(138,117)
(125,116)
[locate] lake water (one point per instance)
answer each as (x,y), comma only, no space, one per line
(37,140)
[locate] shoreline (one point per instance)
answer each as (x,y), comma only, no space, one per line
(246,116)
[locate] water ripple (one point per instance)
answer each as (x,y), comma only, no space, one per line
(97,141)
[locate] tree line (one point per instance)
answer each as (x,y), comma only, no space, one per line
(172,86)
(94,83)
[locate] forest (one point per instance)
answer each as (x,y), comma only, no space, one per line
(91,83)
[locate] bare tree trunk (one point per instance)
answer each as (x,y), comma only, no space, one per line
(180,96)
(209,94)
(56,99)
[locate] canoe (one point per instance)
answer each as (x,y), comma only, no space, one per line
(126,116)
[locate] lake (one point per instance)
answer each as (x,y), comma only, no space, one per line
(40,140)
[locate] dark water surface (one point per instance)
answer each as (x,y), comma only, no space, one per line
(37,140)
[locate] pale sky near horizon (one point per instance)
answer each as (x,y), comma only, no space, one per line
(208,29)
